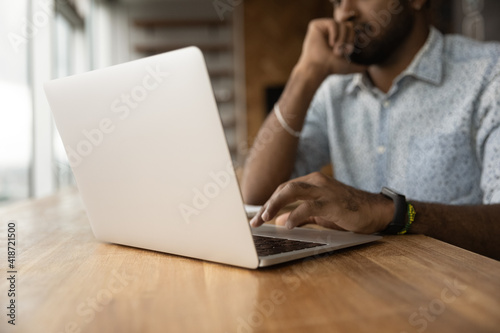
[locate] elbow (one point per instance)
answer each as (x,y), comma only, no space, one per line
(252,198)
(252,195)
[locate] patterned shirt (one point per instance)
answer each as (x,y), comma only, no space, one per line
(435,136)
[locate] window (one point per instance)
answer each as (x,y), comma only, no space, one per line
(45,40)
(64,49)
(69,57)
(16,111)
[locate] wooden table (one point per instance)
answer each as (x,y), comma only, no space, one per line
(66,281)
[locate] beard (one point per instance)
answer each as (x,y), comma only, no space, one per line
(375,44)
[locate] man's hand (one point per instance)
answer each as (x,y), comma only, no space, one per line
(327,46)
(329,203)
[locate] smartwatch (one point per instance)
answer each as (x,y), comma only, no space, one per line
(400,209)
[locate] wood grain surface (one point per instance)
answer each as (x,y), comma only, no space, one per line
(67,281)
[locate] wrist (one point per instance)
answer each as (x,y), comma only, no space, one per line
(314,75)
(294,103)
(383,212)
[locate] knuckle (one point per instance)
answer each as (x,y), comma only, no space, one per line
(308,205)
(312,205)
(271,206)
(270,203)
(319,177)
(319,204)
(296,186)
(312,24)
(291,187)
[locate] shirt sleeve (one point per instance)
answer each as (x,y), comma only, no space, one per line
(313,149)
(488,141)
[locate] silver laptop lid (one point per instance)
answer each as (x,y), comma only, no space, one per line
(148,152)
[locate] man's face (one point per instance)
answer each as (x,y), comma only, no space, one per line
(381,26)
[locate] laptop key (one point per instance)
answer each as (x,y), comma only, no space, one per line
(267,246)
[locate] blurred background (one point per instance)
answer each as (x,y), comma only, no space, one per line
(250,47)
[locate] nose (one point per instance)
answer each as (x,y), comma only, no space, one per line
(345,11)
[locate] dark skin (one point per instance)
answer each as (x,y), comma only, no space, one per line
(323,200)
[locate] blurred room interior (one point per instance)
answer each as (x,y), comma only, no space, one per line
(250,47)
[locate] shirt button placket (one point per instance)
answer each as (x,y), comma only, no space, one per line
(382,143)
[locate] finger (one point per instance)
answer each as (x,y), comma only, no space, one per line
(291,192)
(263,216)
(281,220)
(349,41)
(260,218)
(331,33)
(304,213)
(325,28)
(278,189)
(257,220)
(340,40)
(335,32)
(314,180)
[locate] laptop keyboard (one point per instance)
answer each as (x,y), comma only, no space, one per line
(267,246)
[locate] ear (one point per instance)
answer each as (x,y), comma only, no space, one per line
(417,4)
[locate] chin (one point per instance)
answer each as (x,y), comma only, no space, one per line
(366,57)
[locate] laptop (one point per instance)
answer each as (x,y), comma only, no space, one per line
(147,148)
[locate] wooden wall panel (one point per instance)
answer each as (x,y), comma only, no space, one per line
(274,31)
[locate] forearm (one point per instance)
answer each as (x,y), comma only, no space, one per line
(475,228)
(271,159)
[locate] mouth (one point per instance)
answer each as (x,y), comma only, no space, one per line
(362,36)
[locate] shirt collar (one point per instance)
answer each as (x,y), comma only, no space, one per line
(426,66)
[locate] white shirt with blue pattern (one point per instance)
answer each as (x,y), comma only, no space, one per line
(435,136)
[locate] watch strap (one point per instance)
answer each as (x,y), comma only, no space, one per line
(400,210)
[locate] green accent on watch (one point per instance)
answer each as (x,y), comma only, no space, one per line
(411,218)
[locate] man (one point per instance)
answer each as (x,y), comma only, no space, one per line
(390,102)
